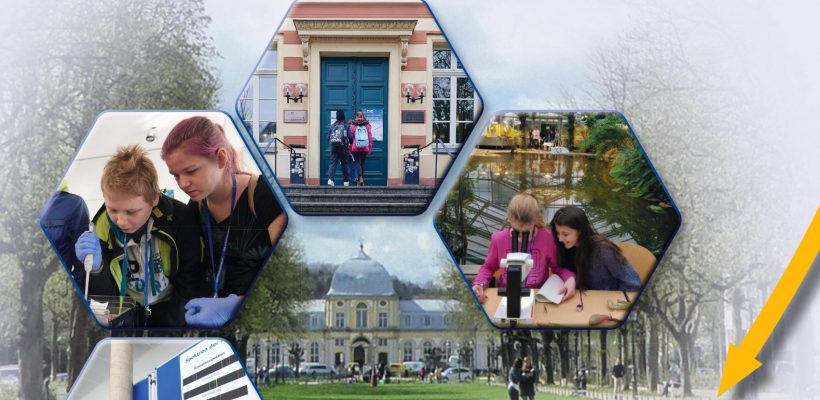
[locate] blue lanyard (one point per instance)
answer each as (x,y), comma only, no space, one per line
(148,266)
(218,272)
(149,273)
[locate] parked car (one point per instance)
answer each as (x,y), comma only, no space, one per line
(9,374)
(396,369)
(282,371)
(316,369)
(456,375)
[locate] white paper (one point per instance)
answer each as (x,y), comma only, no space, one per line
(549,290)
(100,311)
(527,304)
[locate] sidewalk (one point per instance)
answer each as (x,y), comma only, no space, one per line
(601,393)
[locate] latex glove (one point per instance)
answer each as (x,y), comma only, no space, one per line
(567,289)
(211,312)
(89,244)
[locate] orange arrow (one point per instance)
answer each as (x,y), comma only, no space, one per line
(741,360)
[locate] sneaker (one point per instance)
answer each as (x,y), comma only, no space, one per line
(347,183)
(330,182)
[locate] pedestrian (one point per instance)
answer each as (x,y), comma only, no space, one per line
(514,379)
(618,372)
(528,378)
(338,139)
(361,145)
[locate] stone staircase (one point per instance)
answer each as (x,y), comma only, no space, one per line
(359,200)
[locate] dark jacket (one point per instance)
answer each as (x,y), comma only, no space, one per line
(176,232)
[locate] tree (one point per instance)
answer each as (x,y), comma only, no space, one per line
(58,74)
(272,306)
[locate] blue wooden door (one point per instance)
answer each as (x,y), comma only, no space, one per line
(355,84)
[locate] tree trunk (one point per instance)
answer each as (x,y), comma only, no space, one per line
(643,350)
(55,353)
(563,352)
(602,371)
(652,357)
(589,350)
(546,338)
(78,340)
(625,359)
(684,365)
(30,353)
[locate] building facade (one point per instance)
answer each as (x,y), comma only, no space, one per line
(389,60)
(362,320)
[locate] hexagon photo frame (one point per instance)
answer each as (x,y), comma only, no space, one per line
(389,61)
(178,195)
(558,219)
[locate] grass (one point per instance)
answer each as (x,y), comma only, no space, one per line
(420,391)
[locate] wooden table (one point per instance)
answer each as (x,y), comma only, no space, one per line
(564,314)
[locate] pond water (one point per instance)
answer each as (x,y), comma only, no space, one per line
(558,180)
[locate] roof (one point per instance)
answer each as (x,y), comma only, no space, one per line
(361,276)
(427,305)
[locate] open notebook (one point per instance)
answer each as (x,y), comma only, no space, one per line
(549,290)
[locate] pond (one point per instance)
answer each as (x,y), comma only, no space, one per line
(491,179)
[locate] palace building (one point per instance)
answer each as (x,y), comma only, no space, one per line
(361,319)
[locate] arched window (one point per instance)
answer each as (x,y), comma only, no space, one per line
(408,351)
(361,315)
(314,352)
(428,348)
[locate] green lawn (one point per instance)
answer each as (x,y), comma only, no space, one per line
(408,391)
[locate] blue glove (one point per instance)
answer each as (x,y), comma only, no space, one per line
(88,244)
(211,312)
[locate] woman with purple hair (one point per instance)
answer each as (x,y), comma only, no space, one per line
(240,218)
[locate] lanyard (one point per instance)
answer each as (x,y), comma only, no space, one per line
(214,270)
(149,273)
(148,267)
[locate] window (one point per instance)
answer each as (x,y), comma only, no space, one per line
(408,351)
(427,347)
(408,320)
(361,315)
(257,103)
(314,352)
(383,342)
(382,320)
(428,320)
(314,320)
(340,342)
(276,353)
(340,320)
(454,100)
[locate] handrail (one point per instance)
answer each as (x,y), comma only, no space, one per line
(291,149)
(437,142)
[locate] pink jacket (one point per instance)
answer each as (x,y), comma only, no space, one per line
(541,248)
(352,129)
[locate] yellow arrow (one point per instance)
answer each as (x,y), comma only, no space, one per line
(740,360)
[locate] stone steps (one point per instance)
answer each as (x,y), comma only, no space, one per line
(356,200)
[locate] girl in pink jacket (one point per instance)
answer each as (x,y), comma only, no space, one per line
(360,145)
(524,214)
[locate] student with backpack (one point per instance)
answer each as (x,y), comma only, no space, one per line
(338,138)
(361,145)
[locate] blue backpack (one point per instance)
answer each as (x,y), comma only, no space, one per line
(361,137)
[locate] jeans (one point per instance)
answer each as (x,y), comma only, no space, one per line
(358,166)
(337,154)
